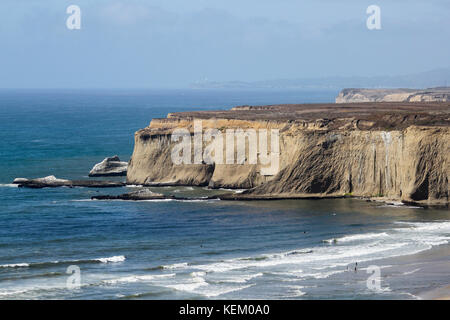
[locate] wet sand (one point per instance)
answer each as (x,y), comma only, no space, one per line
(425,275)
(442,293)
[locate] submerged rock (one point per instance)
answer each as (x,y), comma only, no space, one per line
(111,166)
(146,194)
(136,195)
(53,182)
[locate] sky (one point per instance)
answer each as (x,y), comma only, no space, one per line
(172,43)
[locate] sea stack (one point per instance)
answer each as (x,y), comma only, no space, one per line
(109,167)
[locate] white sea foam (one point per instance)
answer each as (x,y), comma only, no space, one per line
(197,200)
(398,205)
(211,292)
(358,237)
(34,290)
(426,233)
(232,190)
(45,263)
(5,293)
(198,285)
(121,200)
(294,291)
(8,185)
(410,272)
(15,265)
(240,278)
(325,261)
(426,226)
(175,266)
(111,259)
(384,290)
(190,284)
(197,274)
(321,275)
(135,278)
(331,256)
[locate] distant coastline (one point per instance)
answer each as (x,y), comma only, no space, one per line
(439,94)
(427,79)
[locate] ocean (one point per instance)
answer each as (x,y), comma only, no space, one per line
(170,249)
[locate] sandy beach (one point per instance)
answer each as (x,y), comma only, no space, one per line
(442,293)
(426,273)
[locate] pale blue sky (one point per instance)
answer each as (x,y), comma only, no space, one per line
(171,43)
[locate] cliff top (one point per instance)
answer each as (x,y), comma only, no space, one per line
(439,94)
(385,91)
(366,115)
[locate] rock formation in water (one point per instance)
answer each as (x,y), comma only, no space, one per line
(109,167)
(394,95)
(53,182)
(395,151)
(144,195)
(135,195)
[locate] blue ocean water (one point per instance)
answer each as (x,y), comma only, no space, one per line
(177,249)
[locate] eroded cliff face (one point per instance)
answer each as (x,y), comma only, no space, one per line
(152,163)
(359,155)
(409,165)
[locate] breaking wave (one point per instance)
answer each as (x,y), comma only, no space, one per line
(51,263)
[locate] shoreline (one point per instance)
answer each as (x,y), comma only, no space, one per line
(243,196)
(427,271)
(41,183)
(441,293)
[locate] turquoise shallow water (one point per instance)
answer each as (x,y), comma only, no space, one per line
(176,249)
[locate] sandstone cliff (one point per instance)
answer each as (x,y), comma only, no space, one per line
(397,151)
(394,95)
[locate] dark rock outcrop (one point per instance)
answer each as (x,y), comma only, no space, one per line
(147,195)
(53,182)
(136,195)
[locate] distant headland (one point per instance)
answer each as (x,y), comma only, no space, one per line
(440,94)
(384,151)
